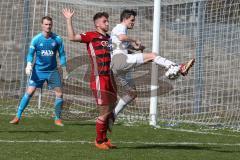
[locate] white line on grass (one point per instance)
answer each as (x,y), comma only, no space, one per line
(122,142)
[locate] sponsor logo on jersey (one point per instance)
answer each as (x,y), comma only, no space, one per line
(47,53)
(41,44)
(104,43)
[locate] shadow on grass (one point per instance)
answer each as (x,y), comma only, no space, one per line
(80,124)
(84,124)
(184,147)
(31,131)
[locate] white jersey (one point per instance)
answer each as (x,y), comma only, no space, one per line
(117,45)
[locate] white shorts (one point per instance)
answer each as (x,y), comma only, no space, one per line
(122,62)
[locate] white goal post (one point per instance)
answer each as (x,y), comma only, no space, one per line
(154,75)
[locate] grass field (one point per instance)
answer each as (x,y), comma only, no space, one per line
(38,138)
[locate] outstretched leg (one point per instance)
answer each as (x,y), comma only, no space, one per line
(182,68)
(174,70)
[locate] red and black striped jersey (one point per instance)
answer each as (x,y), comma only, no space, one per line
(99,51)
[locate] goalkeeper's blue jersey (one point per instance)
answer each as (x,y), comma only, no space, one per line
(46,52)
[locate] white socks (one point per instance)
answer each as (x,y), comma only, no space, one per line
(163,62)
(120,106)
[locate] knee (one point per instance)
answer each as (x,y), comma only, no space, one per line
(153,55)
(30,91)
(59,94)
(104,116)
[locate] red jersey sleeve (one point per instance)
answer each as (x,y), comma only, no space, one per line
(85,37)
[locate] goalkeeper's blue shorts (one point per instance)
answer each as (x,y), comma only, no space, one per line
(38,78)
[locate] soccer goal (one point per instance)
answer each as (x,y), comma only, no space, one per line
(207,30)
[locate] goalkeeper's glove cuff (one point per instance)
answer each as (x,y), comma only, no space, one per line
(28,68)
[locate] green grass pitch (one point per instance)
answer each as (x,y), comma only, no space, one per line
(38,138)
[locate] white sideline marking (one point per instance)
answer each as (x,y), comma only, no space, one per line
(123,142)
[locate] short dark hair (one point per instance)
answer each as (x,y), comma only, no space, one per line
(46,17)
(127,14)
(99,15)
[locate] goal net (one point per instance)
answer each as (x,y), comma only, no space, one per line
(206,30)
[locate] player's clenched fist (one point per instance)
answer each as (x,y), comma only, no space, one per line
(28,68)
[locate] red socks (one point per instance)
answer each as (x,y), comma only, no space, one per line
(101,130)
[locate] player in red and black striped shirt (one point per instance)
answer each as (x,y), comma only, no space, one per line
(101,83)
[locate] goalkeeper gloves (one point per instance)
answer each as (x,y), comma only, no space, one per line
(64,73)
(28,68)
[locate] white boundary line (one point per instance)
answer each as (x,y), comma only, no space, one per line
(122,142)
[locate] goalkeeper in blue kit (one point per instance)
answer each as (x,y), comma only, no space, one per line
(44,46)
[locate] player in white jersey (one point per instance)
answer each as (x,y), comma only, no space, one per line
(124,60)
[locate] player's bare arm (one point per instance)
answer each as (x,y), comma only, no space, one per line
(68,14)
(125,38)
